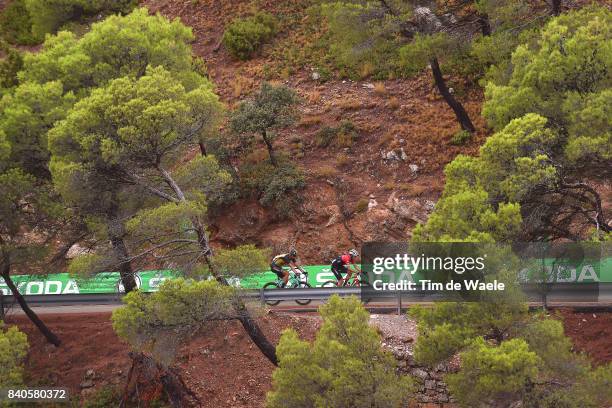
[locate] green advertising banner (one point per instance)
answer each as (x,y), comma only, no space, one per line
(63,283)
(149,281)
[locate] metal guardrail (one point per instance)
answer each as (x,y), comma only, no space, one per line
(555,293)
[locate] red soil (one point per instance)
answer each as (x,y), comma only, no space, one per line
(222,365)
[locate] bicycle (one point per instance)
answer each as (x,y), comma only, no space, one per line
(357,280)
(295,281)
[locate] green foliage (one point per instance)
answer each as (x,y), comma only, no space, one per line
(360,43)
(271,108)
(242,260)
(116,47)
(416,55)
(448,327)
(217,190)
(344,367)
(104,397)
(244,36)
(16,24)
(150,117)
(165,218)
(513,162)
(461,138)
(48,15)
(489,373)
(342,135)
(27,114)
(159,322)
(10,65)
(13,350)
(564,78)
(275,186)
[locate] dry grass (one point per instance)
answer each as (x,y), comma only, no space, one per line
(314,97)
(325,171)
(393,103)
(386,139)
(257,156)
(350,104)
(308,121)
(366,69)
(343,159)
(379,89)
(240,86)
(412,190)
(388,186)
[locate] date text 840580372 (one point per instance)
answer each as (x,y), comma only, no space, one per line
(33,394)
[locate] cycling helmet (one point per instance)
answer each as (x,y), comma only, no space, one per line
(353,253)
(293,252)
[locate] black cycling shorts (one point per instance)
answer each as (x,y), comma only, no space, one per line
(338,269)
(277,270)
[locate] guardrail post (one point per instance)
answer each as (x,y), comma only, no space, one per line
(399,303)
(262,296)
(1,305)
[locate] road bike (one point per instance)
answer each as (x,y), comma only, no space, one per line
(299,280)
(357,280)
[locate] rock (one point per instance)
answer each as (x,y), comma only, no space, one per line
(331,183)
(429,205)
(410,210)
(430,384)
(391,155)
(371,196)
(413,168)
(86,384)
(76,250)
(451,90)
(420,373)
(315,76)
(402,141)
(368,86)
(90,374)
(404,156)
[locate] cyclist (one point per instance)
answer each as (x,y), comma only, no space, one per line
(289,259)
(342,264)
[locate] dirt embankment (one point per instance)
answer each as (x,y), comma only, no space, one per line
(221,365)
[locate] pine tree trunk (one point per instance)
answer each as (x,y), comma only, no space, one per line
(116,232)
(461,114)
(49,335)
(202,148)
(147,373)
(1,305)
(556,7)
(485,25)
(270,149)
(250,325)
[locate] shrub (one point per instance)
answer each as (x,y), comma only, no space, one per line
(13,349)
(345,366)
(244,36)
(460,138)
(361,205)
(9,66)
(273,185)
(16,24)
(490,372)
(49,15)
(343,135)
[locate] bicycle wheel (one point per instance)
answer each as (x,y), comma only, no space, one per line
(330,284)
(271,285)
(303,302)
